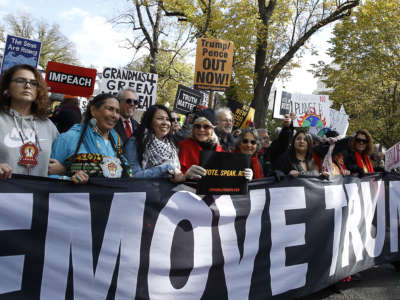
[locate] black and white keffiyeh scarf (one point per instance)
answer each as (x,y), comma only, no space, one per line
(159,152)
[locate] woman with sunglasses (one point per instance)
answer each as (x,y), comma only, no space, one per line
(152,151)
(203,138)
(93,149)
(248,143)
(26,133)
(357,159)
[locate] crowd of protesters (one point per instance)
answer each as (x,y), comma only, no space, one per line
(109,143)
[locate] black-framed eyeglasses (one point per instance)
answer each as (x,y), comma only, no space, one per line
(23,81)
(175,119)
(132,101)
(204,126)
(246,141)
(361,141)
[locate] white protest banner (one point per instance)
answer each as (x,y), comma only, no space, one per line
(311,110)
(392,157)
(145,84)
(339,120)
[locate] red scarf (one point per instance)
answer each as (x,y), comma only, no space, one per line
(255,165)
(367,161)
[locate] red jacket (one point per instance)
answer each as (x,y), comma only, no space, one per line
(189,153)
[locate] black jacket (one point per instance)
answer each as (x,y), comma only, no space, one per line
(120,129)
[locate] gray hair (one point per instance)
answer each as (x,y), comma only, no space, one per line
(260,130)
(123,91)
(214,137)
(224,110)
(251,130)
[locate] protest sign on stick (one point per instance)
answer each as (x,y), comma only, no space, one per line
(71,80)
(18,50)
(213,64)
(242,114)
(392,157)
(187,99)
(145,84)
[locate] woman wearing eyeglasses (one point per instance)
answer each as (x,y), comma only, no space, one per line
(249,143)
(357,160)
(203,138)
(152,151)
(26,133)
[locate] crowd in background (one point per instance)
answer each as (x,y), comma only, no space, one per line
(108,142)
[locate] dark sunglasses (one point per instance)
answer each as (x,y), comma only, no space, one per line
(246,141)
(361,141)
(132,101)
(175,119)
(204,126)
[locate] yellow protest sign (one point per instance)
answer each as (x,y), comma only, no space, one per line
(213,69)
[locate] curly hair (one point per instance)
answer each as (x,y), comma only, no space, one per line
(40,107)
(370,146)
(254,132)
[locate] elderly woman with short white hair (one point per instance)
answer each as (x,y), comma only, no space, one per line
(203,138)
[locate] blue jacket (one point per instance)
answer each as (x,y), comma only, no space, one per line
(130,152)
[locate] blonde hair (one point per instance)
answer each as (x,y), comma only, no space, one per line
(199,120)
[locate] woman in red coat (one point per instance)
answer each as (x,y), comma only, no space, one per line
(203,138)
(248,142)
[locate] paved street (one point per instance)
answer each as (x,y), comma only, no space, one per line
(379,283)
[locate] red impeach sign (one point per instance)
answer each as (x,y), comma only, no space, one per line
(71,80)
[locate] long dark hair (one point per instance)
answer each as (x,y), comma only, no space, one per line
(370,146)
(41,106)
(145,132)
(96,102)
(292,151)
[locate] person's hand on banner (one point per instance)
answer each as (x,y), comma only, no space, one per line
(248,174)
(195,172)
(5,171)
(55,167)
(177,176)
(80,177)
(294,173)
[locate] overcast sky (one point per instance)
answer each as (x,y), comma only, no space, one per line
(98,43)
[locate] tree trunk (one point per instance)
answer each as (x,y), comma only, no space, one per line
(262,87)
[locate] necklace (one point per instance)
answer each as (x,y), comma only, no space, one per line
(29,151)
(100,132)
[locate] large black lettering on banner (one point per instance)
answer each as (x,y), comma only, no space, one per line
(149,239)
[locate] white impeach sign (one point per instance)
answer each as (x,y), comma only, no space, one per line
(114,80)
(146,239)
(392,157)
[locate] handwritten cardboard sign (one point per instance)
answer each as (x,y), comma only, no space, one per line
(145,84)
